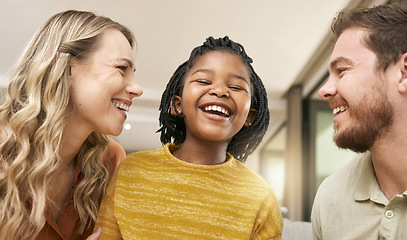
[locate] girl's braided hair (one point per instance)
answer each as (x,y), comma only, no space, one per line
(172,128)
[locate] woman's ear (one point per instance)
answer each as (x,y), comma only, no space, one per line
(175,106)
(402,85)
(72,68)
(250,117)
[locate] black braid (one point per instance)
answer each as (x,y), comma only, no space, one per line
(172,128)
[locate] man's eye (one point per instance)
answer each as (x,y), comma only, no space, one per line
(341,70)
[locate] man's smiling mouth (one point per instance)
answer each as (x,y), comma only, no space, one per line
(339,109)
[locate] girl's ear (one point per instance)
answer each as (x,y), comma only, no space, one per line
(402,86)
(250,117)
(175,106)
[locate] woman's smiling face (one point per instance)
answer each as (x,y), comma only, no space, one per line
(103,85)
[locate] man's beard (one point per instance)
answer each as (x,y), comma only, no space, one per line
(371,121)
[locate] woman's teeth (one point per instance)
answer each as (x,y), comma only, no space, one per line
(121,106)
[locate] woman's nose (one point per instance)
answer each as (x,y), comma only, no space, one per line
(133,88)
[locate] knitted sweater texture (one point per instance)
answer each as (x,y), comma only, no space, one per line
(157,196)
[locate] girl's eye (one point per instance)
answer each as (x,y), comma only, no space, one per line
(236,88)
(202,81)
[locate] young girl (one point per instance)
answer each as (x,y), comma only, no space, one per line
(70,89)
(213,113)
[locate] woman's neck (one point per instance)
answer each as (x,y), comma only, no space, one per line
(71,143)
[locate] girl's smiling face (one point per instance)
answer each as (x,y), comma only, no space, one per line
(216,97)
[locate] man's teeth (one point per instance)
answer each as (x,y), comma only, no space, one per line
(121,106)
(217,109)
(339,109)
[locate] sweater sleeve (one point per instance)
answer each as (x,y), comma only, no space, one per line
(106,218)
(269,222)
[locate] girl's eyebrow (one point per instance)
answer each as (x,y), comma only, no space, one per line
(202,70)
(240,77)
(210,71)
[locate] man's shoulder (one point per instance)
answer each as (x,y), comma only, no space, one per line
(344,179)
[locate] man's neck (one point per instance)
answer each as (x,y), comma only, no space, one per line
(390,166)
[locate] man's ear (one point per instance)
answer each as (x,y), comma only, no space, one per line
(250,117)
(175,106)
(402,85)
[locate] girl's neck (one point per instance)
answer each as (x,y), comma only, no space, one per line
(202,153)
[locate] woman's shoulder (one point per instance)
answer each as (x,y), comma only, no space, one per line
(112,156)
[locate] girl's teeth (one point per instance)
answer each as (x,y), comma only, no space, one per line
(217,108)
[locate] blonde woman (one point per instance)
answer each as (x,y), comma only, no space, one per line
(70,89)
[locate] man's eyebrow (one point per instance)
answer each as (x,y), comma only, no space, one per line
(337,60)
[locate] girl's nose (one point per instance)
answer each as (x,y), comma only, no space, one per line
(219,91)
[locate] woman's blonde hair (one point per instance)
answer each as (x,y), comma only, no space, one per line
(33,118)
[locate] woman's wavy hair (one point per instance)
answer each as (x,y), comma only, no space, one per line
(172,128)
(33,119)
(386,27)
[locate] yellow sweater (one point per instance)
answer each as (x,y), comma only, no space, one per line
(157,196)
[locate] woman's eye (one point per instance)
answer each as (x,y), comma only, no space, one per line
(123,68)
